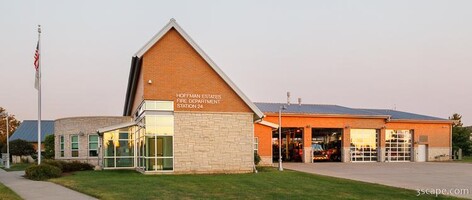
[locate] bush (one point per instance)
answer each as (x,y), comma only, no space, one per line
(49,147)
(42,172)
(56,163)
(257,158)
(69,166)
(76,166)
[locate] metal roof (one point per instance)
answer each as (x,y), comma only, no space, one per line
(341,110)
(395,114)
(311,109)
(28,130)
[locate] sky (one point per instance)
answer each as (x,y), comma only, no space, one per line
(412,56)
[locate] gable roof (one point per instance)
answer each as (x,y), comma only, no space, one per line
(136,67)
(28,130)
(319,109)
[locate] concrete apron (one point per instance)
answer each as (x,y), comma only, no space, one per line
(409,175)
(28,189)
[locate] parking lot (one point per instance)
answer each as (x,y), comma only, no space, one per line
(451,178)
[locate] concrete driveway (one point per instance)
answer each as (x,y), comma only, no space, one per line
(431,177)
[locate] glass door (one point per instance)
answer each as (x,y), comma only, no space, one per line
(159,153)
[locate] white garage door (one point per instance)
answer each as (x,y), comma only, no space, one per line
(398,145)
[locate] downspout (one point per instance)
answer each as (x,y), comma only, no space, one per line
(100,150)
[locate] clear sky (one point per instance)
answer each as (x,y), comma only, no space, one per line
(414,56)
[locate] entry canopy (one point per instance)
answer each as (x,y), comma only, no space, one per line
(115,127)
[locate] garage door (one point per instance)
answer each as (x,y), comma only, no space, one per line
(364,145)
(398,145)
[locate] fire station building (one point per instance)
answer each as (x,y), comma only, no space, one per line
(182,114)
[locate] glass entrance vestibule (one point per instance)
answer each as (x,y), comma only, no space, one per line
(146,144)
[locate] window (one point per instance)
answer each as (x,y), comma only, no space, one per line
(256,145)
(62,145)
(159,105)
(118,146)
(93,145)
(74,141)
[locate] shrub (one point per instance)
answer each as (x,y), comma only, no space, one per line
(69,166)
(76,166)
(257,158)
(49,147)
(42,172)
(56,163)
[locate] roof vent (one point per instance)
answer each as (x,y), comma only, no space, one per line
(288,98)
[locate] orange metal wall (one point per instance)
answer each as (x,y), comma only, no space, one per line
(438,133)
(264,133)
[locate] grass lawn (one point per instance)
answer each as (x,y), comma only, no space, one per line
(267,184)
(467,159)
(6,193)
(18,167)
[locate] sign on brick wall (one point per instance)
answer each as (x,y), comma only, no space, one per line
(196,101)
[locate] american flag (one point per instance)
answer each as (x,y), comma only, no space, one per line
(36,57)
(36,66)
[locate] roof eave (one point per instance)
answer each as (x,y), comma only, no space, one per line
(429,121)
(269,124)
(132,85)
(115,127)
(329,115)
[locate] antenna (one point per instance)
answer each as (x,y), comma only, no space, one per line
(288,98)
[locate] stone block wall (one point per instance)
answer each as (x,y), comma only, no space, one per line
(266,161)
(213,142)
(83,127)
(438,154)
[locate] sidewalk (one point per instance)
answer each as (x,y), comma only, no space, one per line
(28,189)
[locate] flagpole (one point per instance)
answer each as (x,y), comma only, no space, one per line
(39,95)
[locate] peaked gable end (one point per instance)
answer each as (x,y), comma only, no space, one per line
(175,68)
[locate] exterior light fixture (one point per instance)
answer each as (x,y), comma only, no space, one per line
(282,107)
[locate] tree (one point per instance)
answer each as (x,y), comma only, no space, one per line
(460,135)
(461,139)
(21,148)
(49,147)
(13,123)
(457,120)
